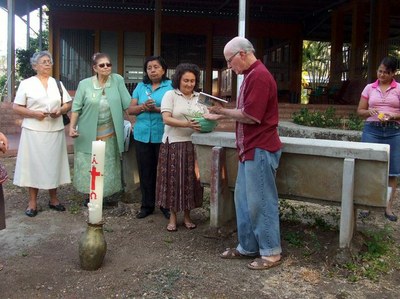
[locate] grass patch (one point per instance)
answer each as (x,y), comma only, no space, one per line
(379,257)
(294,239)
(161,282)
(300,213)
(309,230)
(74,208)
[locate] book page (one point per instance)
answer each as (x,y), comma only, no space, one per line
(207,99)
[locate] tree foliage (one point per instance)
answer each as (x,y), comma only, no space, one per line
(316,62)
(24,68)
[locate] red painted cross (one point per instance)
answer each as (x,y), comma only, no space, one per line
(94,174)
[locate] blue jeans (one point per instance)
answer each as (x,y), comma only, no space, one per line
(257,207)
(385,135)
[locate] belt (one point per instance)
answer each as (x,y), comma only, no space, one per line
(384,124)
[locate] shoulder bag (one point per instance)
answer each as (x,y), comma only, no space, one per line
(66,119)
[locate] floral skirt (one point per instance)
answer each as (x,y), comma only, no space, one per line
(178,180)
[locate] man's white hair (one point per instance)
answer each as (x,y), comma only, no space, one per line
(239,43)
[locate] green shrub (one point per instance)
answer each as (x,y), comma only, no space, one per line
(355,122)
(319,119)
(3,86)
(327,119)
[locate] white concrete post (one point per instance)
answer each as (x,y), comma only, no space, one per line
(347,218)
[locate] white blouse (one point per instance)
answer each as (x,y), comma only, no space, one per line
(181,108)
(32,94)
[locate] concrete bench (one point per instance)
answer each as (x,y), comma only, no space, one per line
(350,174)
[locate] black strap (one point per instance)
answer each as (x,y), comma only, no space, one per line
(60,90)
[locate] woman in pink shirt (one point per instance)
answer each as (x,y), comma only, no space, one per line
(380,106)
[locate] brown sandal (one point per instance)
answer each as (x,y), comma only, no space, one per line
(233,253)
(263,264)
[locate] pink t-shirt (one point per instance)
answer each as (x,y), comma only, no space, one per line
(385,101)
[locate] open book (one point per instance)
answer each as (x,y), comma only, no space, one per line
(207,99)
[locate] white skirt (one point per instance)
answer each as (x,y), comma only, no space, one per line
(42,160)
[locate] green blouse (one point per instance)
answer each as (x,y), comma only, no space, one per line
(86,103)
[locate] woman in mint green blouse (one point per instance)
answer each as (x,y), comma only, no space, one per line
(97,114)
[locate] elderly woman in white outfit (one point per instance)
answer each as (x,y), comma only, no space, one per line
(42,160)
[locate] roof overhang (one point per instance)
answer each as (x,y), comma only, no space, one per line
(313,15)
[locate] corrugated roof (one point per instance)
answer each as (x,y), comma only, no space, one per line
(313,14)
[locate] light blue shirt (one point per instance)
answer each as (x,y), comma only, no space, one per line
(149,126)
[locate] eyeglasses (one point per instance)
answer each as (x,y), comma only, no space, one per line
(102,65)
(231,58)
(44,62)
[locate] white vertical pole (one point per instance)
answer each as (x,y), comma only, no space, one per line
(241,32)
(11,50)
(28,25)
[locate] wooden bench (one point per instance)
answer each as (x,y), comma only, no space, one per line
(351,174)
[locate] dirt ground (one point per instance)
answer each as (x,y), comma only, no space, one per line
(40,257)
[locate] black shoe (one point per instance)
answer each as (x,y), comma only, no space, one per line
(364,214)
(86,201)
(59,207)
(166,213)
(31,212)
(392,217)
(142,214)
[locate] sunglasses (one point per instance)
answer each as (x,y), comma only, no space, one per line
(102,65)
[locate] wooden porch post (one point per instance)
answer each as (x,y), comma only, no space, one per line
(54,42)
(296,54)
(157,28)
(379,33)
(357,41)
(209,55)
(336,47)
(121,53)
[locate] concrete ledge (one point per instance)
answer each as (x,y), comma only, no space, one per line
(350,174)
(290,129)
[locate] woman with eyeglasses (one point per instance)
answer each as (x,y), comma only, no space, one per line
(380,106)
(149,128)
(98,114)
(42,160)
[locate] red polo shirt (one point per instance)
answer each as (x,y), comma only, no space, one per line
(258,99)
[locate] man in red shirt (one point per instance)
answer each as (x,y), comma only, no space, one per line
(259,150)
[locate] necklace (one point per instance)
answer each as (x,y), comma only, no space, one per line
(187,98)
